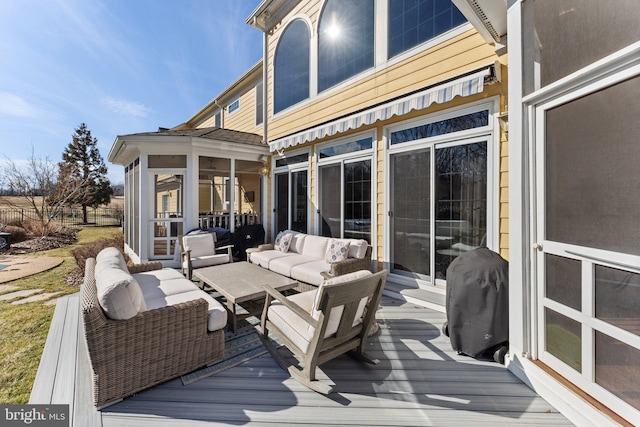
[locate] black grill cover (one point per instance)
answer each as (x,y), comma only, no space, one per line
(478,301)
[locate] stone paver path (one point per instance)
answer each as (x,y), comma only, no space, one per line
(19,294)
(39,297)
(6,288)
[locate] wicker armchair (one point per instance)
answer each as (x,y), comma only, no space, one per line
(131,355)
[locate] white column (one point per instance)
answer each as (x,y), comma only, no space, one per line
(232,196)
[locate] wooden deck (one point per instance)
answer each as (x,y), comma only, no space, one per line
(419,381)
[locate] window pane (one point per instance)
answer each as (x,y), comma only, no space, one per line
(442,127)
(461,202)
(291,66)
(282,196)
(411,202)
(563,338)
(357,200)
(349,147)
(617,297)
(592,164)
(299,201)
(345,41)
(618,368)
(330,200)
(168,196)
(259,103)
(562,39)
(300,158)
(563,281)
(412,22)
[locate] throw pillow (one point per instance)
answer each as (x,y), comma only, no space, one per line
(337,251)
(284,242)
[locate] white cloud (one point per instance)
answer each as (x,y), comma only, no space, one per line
(127,108)
(13,105)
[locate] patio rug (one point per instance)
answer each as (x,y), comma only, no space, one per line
(241,346)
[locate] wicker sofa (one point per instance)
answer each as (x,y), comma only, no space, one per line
(144,325)
(309,258)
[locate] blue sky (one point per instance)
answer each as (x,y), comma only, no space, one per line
(120,66)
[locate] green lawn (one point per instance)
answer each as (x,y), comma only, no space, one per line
(25,327)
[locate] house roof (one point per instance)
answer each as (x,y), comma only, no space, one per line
(212,133)
(227,139)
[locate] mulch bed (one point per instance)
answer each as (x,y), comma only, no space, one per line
(65,237)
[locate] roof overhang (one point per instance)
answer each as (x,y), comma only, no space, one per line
(467,85)
(489,18)
(269,13)
(221,142)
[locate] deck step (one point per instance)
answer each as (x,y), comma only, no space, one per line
(430,298)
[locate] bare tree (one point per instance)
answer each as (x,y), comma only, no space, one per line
(39,184)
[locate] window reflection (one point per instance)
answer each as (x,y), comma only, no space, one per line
(291,80)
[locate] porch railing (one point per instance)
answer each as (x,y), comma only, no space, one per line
(223,220)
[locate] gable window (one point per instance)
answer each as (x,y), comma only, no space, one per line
(235,105)
(218,120)
(259,104)
(345,41)
(291,66)
(412,22)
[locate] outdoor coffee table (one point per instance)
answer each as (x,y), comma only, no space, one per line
(241,284)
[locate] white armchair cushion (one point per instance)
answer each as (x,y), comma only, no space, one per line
(199,245)
(337,251)
(208,260)
(336,312)
(292,325)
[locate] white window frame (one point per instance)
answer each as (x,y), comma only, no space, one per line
(289,169)
(342,159)
(489,133)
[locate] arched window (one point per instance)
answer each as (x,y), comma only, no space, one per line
(291,80)
(412,22)
(345,41)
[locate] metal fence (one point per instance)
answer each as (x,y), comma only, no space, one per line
(68,217)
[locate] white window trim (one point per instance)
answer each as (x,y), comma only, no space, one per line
(491,133)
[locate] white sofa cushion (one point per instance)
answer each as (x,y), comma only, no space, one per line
(310,272)
(119,294)
(358,248)
(297,242)
(338,250)
(217,313)
(315,246)
(336,312)
(291,324)
(112,257)
(284,265)
(152,287)
(264,258)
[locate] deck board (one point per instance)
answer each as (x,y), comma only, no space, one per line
(419,381)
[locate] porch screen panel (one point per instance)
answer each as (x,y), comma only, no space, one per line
(282,196)
(617,367)
(563,338)
(617,298)
(357,200)
(563,37)
(299,201)
(411,200)
(592,162)
(330,200)
(461,202)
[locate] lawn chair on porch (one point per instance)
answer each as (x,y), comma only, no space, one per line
(199,250)
(321,324)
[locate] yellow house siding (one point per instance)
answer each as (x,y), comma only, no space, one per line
(208,123)
(458,55)
(243,119)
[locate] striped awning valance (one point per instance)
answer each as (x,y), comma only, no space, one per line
(464,86)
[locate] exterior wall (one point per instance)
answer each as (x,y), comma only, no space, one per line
(243,119)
